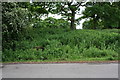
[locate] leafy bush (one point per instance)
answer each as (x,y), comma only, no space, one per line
(15,20)
(95,52)
(52,23)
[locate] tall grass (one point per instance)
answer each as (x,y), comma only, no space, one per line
(64,44)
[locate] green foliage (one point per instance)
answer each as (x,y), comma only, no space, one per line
(14,21)
(90,25)
(64,44)
(23,30)
(102,15)
(52,23)
(96,53)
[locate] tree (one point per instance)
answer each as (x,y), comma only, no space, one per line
(14,19)
(68,10)
(103,14)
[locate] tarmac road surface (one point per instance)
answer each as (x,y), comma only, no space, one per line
(65,70)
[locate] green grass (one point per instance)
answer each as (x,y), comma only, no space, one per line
(65,45)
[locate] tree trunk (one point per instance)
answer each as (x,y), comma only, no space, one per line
(72,26)
(93,27)
(119,25)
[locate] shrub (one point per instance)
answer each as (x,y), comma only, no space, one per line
(95,52)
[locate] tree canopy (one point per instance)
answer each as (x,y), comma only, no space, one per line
(102,15)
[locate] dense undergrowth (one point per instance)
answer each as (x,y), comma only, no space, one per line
(65,45)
